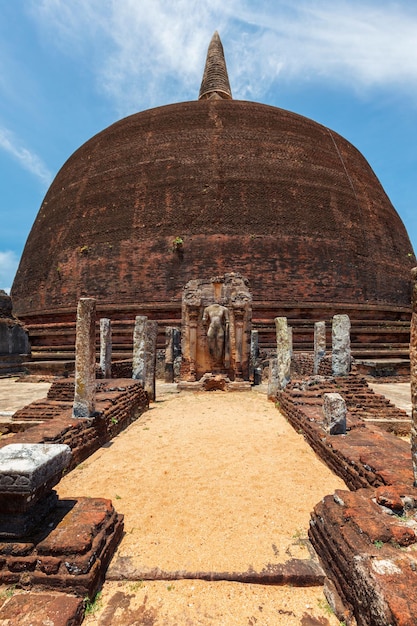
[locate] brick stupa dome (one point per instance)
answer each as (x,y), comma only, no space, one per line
(249,188)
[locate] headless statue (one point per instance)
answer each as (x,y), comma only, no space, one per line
(217,318)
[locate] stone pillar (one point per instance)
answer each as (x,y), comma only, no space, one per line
(139,350)
(177,353)
(254,352)
(319,344)
(169,354)
(193,321)
(334,409)
(273,379)
(151,333)
(341,345)
(238,317)
(283,352)
(105,347)
(290,340)
(85,359)
(413,374)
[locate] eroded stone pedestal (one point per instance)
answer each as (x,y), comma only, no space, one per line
(27,474)
(46,542)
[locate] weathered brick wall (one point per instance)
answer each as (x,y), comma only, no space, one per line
(250,188)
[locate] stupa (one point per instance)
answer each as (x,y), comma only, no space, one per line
(203,188)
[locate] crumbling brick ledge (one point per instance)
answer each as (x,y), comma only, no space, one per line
(365,539)
(119,402)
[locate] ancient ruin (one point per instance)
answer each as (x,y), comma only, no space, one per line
(222,267)
(14,341)
(263,212)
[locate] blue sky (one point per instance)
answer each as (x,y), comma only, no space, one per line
(69,68)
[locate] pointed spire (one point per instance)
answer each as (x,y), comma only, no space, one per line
(215,83)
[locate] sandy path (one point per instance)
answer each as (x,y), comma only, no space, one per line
(212,481)
(207,482)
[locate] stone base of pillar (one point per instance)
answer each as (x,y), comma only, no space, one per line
(70,550)
(215,382)
(169,372)
(15,525)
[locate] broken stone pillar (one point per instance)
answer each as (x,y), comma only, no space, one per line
(413,373)
(169,354)
(151,333)
(192,334)
(28,471)
(105,347)
(239,321)
(341,345)
(254,352)
(334,409)
(319,344)
(283,352)
(273,379)
(85,359)
(177,353)
(139,349)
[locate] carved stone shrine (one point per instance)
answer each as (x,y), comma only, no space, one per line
(216,332)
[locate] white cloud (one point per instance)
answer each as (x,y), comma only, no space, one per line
(151,52)
(27,159)
(8,266)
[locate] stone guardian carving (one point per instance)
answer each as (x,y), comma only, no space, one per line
(216,318)
(216,328)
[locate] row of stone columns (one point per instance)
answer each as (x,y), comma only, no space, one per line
(280,366)
(143,363)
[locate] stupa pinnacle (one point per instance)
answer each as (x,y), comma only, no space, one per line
(215,83)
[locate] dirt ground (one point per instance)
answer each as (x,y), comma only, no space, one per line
(214,482)
(207,482)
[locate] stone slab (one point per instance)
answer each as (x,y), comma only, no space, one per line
(41,609)
(28,471)
(24,467)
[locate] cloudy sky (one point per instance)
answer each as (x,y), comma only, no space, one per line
(69,68)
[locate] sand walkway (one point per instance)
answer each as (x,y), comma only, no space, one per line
(208,482)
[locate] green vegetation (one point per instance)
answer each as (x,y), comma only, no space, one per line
(92,606)
(8,592)
(177,244)
(325,606)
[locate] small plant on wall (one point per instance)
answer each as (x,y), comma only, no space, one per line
(177,244)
